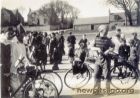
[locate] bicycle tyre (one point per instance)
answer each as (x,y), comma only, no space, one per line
(28,86)
(71,71)
(61,82)
(135,73)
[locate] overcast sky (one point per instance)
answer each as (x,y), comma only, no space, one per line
(88,8)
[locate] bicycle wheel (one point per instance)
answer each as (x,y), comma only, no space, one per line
(76,81)
(55,78)
(123,77)
(40,88)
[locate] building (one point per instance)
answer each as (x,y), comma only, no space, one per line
(34,18)
(90,24)
(10,18)
(119,19)
(113,20)
(39,20)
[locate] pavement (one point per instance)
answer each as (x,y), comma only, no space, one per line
(73,93)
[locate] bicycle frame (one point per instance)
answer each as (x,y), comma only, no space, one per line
(21,85)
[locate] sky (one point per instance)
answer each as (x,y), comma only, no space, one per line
(87,8)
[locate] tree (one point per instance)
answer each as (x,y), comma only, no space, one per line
(126,5)
(59,12)
(48,10)
(138,11)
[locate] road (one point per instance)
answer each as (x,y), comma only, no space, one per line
(74,93)
(69,93)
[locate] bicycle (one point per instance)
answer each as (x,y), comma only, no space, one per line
(78,80)
(123,74)
(34,85)
(75,79)
(116,74)
(53,76)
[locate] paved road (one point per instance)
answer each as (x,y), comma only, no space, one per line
(69,93)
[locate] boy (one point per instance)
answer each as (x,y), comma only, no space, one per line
(124,51)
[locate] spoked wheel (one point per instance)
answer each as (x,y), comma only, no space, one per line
(55,78)
(40,88)
(75,81)
(123,77)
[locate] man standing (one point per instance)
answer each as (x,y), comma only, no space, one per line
(105,46)
(53,44)
(71,45)
(61,46)
(18,51)
(134,50)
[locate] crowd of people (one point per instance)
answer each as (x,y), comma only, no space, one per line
(41,47)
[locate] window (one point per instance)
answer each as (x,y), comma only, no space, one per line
(117,17)
(92,27)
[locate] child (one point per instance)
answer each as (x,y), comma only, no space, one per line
(124,51)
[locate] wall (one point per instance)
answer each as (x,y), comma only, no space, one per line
(37,28)
(86,27)
(41,28)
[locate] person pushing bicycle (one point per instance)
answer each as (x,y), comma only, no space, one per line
(102,65)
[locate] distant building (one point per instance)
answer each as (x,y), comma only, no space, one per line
(37,19)
(92,23)
(113,20)
(34,18)
(119,19)
(10,18)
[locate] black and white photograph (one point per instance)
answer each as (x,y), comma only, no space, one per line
(70,49)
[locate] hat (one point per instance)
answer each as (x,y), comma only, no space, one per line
(102,27)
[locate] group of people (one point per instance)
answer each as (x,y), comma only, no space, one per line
(41,45)
(36,47)
(127,50)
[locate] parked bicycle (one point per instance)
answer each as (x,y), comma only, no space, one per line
(123,74)
(35,85)
(78,76)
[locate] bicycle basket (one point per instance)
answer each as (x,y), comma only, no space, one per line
(79,67)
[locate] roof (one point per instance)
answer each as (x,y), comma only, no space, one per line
(117,16)
(91,20)
(121,16)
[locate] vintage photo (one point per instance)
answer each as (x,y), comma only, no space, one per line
(70,49)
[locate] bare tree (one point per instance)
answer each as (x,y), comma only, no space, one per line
(48,10)
(126,5)
(59,12)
